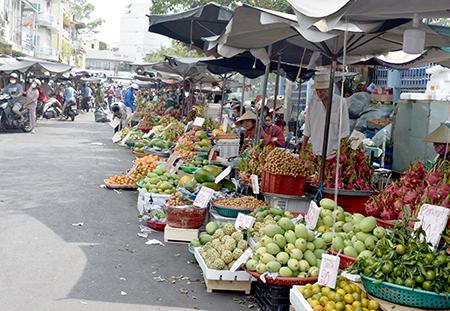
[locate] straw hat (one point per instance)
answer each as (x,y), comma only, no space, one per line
(248,115)
(439,135)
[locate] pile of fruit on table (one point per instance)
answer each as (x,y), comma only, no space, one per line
(159,181)
(120,180)
(143,166)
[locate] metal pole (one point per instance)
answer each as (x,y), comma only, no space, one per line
(275,94)
(241,108)
(263,103)
(223,97)
(297,113)
(327,123)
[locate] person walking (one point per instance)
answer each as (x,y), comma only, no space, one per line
(69,96)
(99,96)
(129,99)
(86,94)
(31,103)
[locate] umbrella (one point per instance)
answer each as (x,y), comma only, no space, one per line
(329,14)
(192,25)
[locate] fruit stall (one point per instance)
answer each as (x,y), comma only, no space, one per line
(255,225)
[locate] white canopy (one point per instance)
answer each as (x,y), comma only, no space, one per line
(27,64)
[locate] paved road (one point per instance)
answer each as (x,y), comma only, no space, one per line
(50,181)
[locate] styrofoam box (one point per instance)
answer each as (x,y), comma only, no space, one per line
(288,203)
(158,201)
(298,301)
(228,147)
(224,275)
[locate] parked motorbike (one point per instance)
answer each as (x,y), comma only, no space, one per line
(51,110)
(70,111)
(9,120)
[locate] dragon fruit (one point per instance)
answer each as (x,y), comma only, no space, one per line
(414,188)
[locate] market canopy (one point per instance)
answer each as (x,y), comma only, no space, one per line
(250,67)
(255,29)
(192,25)
(328,15)
(31,64)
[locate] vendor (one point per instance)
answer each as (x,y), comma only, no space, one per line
(440,138)
(248,122)
(316,114)
(272,134)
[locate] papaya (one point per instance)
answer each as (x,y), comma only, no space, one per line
(213,169)
(213,185)
(202,176)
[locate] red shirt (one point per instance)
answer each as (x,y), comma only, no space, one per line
(42,96)
(276,137)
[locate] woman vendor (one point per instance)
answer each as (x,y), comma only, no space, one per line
(272,134)
(440,138)
(248,122)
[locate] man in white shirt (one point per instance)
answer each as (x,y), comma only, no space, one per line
(316,115)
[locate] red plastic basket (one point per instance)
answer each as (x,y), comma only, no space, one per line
(351,201)
(156,225)
(345,262)
(283,184)
(284,281)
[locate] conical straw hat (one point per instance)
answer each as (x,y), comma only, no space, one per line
(439,135)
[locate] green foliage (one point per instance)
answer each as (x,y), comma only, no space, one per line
(82,10)
(102,46)
(167,6)
(176,49)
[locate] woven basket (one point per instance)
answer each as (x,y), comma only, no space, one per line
(122,187)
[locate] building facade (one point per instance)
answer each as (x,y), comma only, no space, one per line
(135,40)
(43,29)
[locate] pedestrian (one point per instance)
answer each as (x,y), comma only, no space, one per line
(99,96)
(118,92)
(440,138)
(86,94)
(110,96)
(272,134)
(129,99)
(31,103)
(119,110)
(316,114)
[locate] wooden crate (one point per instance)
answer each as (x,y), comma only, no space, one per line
(237,286)
(179,235)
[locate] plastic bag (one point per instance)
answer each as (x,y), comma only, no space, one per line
(368,114)
(357,103)
(100,116)
(382,135)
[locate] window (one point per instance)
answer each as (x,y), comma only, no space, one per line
(92,45)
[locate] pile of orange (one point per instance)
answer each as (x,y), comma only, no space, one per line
(143,166)
(186,153)
(120,180)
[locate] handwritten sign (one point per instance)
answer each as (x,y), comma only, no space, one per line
(198,122)
(203,197)
(312,216)
(255,183)
(114,123)
(186,128)
(244,222)
(242,259)
(433,220)
(328,270)
(222,175)
(116,138)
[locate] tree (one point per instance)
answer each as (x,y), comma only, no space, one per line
(102,46)
(82,10)
(167,6)
(176,49)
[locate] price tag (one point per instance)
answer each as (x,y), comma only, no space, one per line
(203,197)
(222,175)
(175,168)
(255,183)
(242,259)
(186,128)
(116,138)
(312,216)
(244,221)
(198,122)
(433,220)
(114,122)
(225,125)
(328,270)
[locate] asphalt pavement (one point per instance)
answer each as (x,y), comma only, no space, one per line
(49,185)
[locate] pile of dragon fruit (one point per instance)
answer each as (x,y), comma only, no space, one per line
(355,172)
(416,187)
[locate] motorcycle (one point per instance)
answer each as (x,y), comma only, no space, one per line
(9,120)
(70,111)
(51,110)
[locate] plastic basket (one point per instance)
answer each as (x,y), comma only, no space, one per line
(405,295)
(283,184)
(188,169)
(271,297)
(284,281)
(345,261)
(230,212)
(156,225)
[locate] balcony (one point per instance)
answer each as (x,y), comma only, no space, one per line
(48,21)
(47,52)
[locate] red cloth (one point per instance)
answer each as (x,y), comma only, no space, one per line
(277,133)
(42,96)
